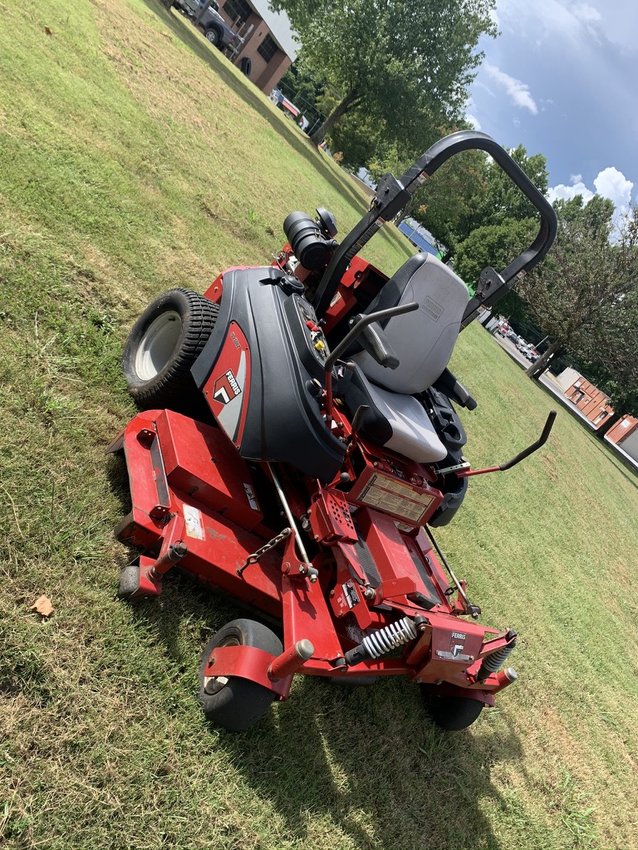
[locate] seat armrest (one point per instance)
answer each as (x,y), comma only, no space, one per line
(375,342)
(454,390)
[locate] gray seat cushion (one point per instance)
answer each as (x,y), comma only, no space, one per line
(413,435)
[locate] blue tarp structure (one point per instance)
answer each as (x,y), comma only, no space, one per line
(419,236)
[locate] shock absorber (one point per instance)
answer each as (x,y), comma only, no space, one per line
(383,641)
(495,660)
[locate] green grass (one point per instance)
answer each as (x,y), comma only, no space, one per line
(134,158)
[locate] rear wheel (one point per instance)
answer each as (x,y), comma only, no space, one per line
(230,702)
(214,36)
(163,345)
(449,712)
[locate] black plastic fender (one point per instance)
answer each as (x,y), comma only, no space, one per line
(276,415)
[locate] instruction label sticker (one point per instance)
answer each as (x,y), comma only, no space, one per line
(193,522)
(395,497)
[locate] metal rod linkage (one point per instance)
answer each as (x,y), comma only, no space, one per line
(291,520)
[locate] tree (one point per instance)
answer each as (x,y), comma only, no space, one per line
(403,63)
(497,200)
(302,83)
(493,245)
(608,354)
(446,199)
(470,193)
(583,294)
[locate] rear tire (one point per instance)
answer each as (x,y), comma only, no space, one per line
(237,704)
(451,713)
(163,345)
(214,36)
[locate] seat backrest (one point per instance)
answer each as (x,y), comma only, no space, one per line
(424,339)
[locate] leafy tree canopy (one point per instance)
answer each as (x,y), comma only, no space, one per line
(585,295)
(402,62)
(493,245)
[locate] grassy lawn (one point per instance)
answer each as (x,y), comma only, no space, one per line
(134,158)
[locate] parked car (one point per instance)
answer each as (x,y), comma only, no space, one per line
(286,106)
(204,14)
(531,353)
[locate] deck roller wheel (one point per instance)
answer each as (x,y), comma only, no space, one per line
(129,581)
(232,703)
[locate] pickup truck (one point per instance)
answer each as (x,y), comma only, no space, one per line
(204,14)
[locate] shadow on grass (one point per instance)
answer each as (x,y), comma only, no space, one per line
(364,759)
(254,98)
(368,760)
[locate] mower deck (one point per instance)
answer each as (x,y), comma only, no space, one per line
(194,504)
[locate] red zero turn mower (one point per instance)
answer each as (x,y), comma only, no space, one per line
(327,451)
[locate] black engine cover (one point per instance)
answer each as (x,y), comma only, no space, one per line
(258,372)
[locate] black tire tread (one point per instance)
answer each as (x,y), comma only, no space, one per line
(169,388)
(241,704)
(218,40)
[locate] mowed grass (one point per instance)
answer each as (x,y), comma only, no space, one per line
(134,158)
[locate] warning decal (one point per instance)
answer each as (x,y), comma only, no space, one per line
(386,494)
(193,522)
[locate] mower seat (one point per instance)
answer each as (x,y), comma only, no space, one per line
(423,341)
(394,420)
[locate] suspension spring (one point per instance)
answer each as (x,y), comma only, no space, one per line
(495,660)
(383,640)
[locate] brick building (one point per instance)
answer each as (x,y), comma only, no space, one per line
(593,403)
(624,434)
(269,46)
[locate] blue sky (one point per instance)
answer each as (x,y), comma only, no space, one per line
(562,79)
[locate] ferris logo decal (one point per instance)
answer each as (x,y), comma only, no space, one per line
(226,388)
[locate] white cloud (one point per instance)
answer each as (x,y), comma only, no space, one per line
(586,13)
(554,17)
(612,184)
(609,183)
(517,91)
(580,22)
(566,193)
(473,121)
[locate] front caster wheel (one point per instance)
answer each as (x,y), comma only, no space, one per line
(232,703)
(451,713)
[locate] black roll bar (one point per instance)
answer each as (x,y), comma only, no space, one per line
(393,194)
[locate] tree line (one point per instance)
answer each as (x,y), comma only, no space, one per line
(392,77)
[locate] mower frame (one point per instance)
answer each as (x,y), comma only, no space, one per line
(344,561)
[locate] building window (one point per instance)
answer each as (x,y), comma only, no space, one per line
(238,10)
(267,48)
